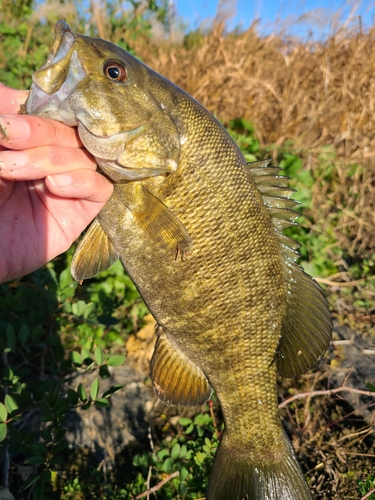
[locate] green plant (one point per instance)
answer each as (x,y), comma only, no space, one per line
(366,486)
(186,459)
(51,328)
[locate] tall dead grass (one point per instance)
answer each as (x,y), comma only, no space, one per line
(314,94)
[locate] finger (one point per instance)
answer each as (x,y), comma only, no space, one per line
(37,163)
(11,99)
(82,184)
(25,131)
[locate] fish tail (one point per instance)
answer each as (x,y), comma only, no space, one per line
(234,477)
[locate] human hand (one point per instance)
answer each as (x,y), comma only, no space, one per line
(49,189)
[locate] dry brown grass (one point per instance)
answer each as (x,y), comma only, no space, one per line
(315,94)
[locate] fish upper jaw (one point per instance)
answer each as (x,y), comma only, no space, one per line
(54,83)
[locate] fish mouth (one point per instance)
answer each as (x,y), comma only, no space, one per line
(57,78)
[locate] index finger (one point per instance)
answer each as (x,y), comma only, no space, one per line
(11,99)
(26,132)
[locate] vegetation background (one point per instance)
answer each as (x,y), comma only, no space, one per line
(309,105)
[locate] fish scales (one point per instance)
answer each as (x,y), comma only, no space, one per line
(203,248)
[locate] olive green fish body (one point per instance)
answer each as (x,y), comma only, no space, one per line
(199,232)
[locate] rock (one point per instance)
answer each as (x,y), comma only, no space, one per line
(354,362)
(5,494)
(106,431)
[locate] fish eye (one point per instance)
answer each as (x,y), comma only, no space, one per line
(115,71)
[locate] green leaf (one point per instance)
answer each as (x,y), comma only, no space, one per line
(101,403)
(3,431)
(10,404)
(38,448)
(182,488)
(35,460)
(94,390)
(3,413)
(78,308)
(65,279)
(190,429)
(90,307)
(56,460)
(36,333)
(183,451)
(38,490)
(46,434)
(72,396)
(116,360)
(30,481)
(370,386)
(162,453)
(99,356)
(168,464)
(86,356)
(60,446)
(46,476)
(104,372)
(184,473)
(82,393)
(175,451)
(11,337)
(185,421)
(59,434)
(112,390)
(24,334)
(76,358)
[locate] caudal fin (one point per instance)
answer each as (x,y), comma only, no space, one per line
(234,478)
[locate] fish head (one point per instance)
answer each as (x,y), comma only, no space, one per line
(104,91)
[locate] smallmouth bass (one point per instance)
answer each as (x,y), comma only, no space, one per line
(199,232)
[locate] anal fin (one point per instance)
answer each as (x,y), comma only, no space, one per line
(176,380)
(95,253)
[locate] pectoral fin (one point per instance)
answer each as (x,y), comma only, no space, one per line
(157,220)
(95,253)
(176,380)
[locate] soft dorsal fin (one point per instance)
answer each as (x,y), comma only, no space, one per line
(307,325)
(176,379)
(95,253)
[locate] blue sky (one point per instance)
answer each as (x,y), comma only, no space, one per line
(194,12)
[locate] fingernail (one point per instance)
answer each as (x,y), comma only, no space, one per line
(11,160)
(13,128)
(61,180)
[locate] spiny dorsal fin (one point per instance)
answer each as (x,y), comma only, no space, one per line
(307,325)
(276,196)
(176,379)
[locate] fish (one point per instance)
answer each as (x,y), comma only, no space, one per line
(200,233)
